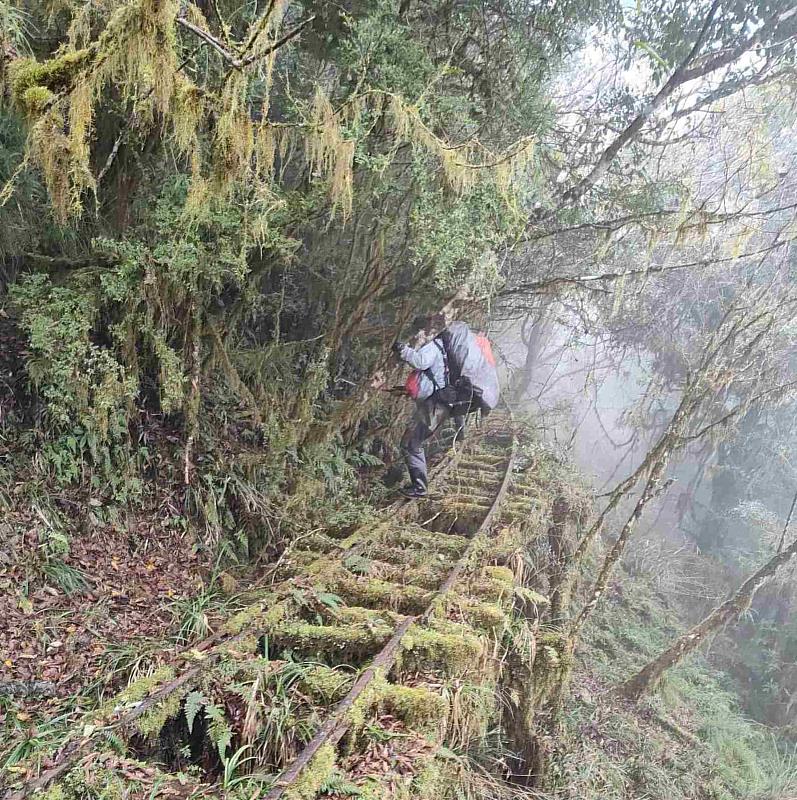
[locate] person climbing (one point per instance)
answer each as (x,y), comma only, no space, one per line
(453,375)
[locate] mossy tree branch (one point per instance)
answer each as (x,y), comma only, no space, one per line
(729,611)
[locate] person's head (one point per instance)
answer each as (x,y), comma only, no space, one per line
(429,323)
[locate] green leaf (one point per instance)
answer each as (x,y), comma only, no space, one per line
(219,730)
(357,563)
(339,784)
(330,600)
(652,53)
(193,702)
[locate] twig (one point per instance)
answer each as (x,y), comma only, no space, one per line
(233,60)
(111,156)
(788,522)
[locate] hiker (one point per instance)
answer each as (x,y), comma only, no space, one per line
(453,375)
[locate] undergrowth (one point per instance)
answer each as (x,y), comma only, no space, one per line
(690,741)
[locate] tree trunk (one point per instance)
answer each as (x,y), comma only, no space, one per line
(538,332)
(647,678)
(561,545)
(652,489)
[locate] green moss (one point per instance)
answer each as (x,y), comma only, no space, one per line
(488,590)
(354,615)
(364,533)
(318,543)
(530,596)
(327,640)
(99,782)
(143,687)
(420,708)
(414,536)
(362,708)
(472,495)
(436,780)
(554,658)
(240,649)
(325,684)
(428,575)
(151,723)
(500,574)
(135,692)
(35,99)
(465,508)
(374,789)
(314,775)
(454,652)
(260,615)
(373,592)
(53,74)
(485,616)
(409,556)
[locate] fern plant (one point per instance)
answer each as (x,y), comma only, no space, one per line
(219,730)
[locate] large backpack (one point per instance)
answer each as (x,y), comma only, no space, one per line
(471,376)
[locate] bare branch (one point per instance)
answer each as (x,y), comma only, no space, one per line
(233,60)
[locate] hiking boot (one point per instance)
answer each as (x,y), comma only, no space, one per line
(460,437)
(414,490)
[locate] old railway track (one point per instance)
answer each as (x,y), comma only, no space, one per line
(383,616)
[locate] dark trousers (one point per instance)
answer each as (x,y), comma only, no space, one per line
(428,417)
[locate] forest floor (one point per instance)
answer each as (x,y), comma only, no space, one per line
(690,740)
(126,595)
(67,621)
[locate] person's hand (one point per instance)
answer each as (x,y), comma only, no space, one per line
(398,348)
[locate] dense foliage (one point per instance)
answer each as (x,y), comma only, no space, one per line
(216,217)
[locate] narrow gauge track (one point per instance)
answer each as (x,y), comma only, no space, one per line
(396,612)
(338,722)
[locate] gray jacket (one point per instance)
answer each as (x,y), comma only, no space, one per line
(425,358)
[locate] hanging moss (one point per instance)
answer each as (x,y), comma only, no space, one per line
(53,74)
